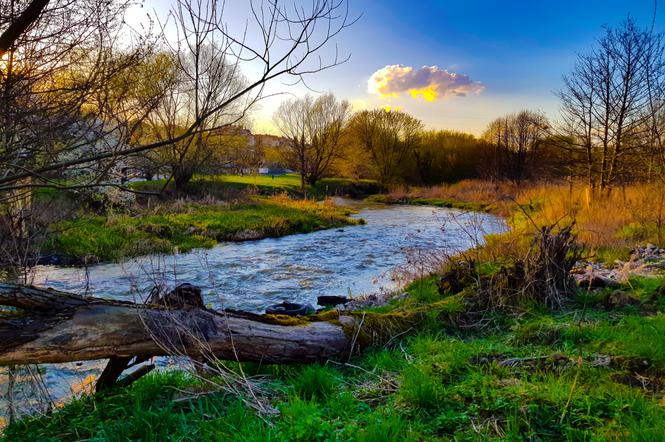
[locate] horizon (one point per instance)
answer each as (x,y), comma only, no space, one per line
(459,66)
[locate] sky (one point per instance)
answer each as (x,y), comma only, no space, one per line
(455,64)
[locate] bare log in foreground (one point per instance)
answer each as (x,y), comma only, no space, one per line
(51,326)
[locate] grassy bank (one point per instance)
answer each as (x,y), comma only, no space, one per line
(474,195)
(268,185)
(610,225)
(489,360)
(440,384)
(184,225)
(434,202)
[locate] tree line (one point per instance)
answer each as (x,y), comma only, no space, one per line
(78,103)
(611,129)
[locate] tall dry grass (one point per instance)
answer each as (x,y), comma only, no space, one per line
(478,191)
(499,196)
(620,219)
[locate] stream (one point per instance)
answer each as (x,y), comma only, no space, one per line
(396,242)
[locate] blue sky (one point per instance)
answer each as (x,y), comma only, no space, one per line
(517,50)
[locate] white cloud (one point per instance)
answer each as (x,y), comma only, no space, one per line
(429,82)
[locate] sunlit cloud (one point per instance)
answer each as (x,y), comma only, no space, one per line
(429,82)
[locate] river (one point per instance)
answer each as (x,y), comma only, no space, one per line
(396,241)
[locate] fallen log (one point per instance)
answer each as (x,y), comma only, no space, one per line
(184,295)
(598,281)
(49,326)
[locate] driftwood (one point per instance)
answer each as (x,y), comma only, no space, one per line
(48,326)
(597,281)
(183,296)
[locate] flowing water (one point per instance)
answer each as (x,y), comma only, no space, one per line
(350,261)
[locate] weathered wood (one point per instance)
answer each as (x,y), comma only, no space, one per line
(135,375)
(114,368)
(52,326)
(183,296)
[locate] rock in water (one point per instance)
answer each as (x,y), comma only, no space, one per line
(290,309)
(184,295)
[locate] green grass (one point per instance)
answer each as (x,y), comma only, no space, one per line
(271,185)
(192,226)
(609,254)
(437,384)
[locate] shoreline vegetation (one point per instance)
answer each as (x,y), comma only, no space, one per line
(213,210)
(609,226)
(268,185)
(192,225)
(507,367)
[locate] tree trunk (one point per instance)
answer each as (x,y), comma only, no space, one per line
(21,24)
(47,326)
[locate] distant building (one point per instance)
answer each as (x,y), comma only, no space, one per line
(272,171)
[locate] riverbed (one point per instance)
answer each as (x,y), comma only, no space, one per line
(396,242)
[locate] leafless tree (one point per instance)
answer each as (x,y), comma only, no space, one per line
(314,128)
(290,38)
(611,101)
(517,138)
(76,105)
(19,24)
(64,96)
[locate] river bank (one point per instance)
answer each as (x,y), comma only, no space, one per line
(106,227)
(186,225)
(518,369)
(583,373)
(353,261)
(610,225)
(374,255)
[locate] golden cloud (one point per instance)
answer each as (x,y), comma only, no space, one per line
(429,82)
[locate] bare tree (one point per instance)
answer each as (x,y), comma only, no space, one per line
(288,40)
(611,100)
(387,135)
(74,111)
(20,24)
(314,128)
(63,96)
(56,92)
(517,138)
